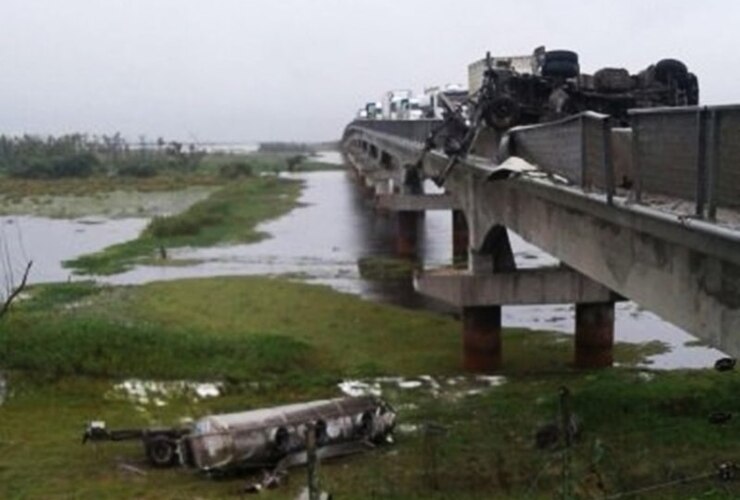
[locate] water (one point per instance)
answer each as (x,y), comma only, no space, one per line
(49,242)
(321,242)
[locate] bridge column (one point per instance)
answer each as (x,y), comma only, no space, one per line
(407,232)
(482,350)
(481,338)
(594,335)
(460,237)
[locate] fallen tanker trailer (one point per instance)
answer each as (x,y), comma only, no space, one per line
(265,438)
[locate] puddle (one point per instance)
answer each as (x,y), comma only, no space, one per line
(446,388)
(158,393)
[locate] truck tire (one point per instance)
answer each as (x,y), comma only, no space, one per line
(560,69)
(613,80)
(561,55)
(693,89)
(502,113)
(161,451)
(670,69)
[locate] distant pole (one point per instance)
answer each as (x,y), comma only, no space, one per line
(313,478)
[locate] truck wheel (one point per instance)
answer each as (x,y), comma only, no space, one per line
(670,69)
(561,55)
(560,68)
(161,451)
(613,80)
(502,113)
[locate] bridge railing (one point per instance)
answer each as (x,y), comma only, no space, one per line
(691,153)
(577,148)
(413,130)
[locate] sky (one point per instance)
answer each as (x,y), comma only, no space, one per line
(251,70)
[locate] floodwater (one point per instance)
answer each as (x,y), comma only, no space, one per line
(49,242)
(321,242)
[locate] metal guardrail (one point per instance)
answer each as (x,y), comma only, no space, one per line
(690,153)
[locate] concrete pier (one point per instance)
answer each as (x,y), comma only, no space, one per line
(460,237)
(594,335)
(481,339)
(407,234)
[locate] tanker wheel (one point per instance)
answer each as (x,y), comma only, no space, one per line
(161,451)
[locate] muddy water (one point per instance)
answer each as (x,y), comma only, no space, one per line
(321,242)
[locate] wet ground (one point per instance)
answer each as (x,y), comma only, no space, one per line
(321,242)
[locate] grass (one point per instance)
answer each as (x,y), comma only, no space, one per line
(229,215)
(386,268)
(274,341)
(16,188)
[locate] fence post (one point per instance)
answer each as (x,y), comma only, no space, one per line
(607,159)
(636,167)
(714,163)
(701,164)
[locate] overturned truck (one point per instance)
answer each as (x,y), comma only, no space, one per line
(548,85)
(265,438)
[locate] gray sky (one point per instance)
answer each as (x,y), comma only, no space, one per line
(247,70)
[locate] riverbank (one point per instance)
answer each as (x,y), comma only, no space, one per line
(76,350)
(228,215)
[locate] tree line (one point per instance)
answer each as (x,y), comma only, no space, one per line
(81,155)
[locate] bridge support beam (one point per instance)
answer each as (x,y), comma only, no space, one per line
(481,339)
(460,237)
(594,335)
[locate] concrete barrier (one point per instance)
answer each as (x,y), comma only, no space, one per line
(414,130)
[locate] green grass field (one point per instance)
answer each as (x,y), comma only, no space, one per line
(271,341)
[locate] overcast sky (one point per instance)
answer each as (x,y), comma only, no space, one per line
(248,70)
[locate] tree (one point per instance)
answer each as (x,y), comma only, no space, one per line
(12,283)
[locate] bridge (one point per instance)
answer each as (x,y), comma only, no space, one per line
(649,213)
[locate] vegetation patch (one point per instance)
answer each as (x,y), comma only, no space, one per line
(187,328)
(229,215)
(386,268)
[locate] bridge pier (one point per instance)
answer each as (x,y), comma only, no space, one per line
(407,236)
(460,237)
(594,335)
(481,338)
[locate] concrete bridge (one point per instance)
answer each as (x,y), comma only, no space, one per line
(649,213)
